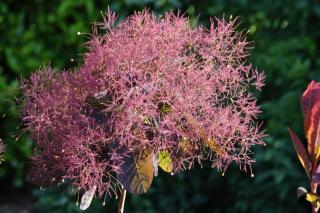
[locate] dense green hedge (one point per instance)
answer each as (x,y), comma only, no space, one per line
(286,37)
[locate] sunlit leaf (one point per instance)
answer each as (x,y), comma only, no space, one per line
(137,172)
(165,161)
(310,104)
(301,152)
(164,108)
(317,149)
(314,133)
(312,198)
(146,121)
(87,198)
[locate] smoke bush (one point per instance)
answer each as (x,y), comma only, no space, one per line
(152,91)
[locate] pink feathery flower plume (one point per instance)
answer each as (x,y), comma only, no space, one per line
(151,92)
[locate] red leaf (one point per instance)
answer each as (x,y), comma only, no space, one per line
(301,152)
(310,104)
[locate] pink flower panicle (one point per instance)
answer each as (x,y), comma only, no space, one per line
(147,83)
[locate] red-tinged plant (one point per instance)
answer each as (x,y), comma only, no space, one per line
(309,152)
(151,92)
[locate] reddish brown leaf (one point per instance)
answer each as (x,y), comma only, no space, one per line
(301,152)
(309,97)
(310,104)
(137,172)
(316,135)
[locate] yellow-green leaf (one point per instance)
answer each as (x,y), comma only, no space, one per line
(312,198)
(164,161)
(146,120)
(137,172)
(165,108)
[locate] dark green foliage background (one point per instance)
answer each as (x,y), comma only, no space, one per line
(286,37)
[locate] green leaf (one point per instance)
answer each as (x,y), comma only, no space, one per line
(165,161)
(137,172)
(164,108)
(301,152)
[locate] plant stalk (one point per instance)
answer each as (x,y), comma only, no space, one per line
(314,187)
(122,201)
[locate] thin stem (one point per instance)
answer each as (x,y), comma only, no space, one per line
(314,191)
(122,201)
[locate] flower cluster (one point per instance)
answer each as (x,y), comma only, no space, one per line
(148,86)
